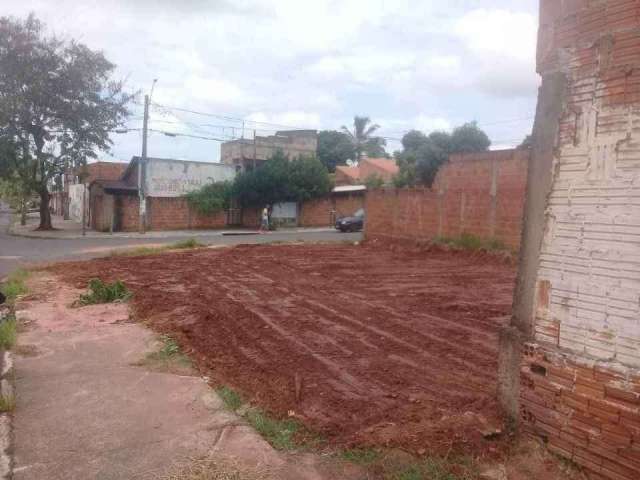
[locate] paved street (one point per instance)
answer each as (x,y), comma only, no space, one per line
(18,251)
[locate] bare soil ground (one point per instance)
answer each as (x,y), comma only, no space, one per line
(390,348)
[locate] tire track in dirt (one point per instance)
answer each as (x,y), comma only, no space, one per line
(394,348)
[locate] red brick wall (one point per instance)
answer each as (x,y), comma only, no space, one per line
(585,411)
(126,211)
(320,212)
(174,213)
(324,211)
(481,194)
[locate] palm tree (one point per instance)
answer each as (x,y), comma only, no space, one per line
(362,137)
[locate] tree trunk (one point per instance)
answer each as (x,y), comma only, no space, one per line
(45,213)
(23,212)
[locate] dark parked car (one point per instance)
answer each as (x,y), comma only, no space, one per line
(351,224)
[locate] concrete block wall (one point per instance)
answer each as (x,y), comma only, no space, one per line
(481,194)
(580,373)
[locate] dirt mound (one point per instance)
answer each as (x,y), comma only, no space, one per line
(392,348)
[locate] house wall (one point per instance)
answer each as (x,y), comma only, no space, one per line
(101,209)
(170,178)
(320,212)
(174,213)
(75,201)
(580,370)
(480,194)
(293,144)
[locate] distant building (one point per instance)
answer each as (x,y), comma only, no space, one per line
(67,189)
(115,204)
(246,154)
(383,168)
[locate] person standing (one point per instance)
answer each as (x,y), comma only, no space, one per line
(264,224)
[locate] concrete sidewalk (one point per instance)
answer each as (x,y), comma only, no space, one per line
(69,229)
(86,411)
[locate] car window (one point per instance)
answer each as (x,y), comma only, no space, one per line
(359,213)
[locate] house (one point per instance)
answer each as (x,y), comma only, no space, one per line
(68,189)
(367,168)
(246,154)
(116,205)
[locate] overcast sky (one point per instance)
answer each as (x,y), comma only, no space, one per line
(424,64)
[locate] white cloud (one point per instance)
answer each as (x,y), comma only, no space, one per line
(295,119)
(499,32)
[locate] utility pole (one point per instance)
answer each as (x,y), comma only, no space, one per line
(141,167)
(255,150)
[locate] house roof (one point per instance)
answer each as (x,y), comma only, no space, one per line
(386,164)
(351,172)
(115,186)
(349,188)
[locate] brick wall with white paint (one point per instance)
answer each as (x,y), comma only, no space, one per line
(580,384)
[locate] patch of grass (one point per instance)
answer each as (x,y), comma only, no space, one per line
(287,434)
(360,456)
(467,241)
(153,250)
(8,333)
(137,252)
(280,434)
(437,469)
(15,285)
(186,244)
(7,403)
(169,358)
(101,292)
(231,398)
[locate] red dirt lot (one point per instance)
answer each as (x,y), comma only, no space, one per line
(393,348)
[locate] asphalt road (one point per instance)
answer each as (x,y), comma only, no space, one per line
(20,251)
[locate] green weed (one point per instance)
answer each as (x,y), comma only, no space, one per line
(437,469)
(101,292)
(467,241)
(15,285)
(360,456)
(187,244)
(7,403)
(8,333)
(231,398)
(279,433)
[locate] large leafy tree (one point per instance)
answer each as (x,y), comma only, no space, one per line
(335,148)
(363,139)
(422,155)
(58,104)
(281,180)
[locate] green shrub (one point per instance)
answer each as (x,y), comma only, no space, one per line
(101,292)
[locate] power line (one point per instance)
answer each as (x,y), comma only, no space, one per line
(173,134)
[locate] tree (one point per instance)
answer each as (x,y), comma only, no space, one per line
(282,180)
(469,138)
(422,155)
(527,142)
(211,198)
(58,104)
(362,138)
(374,181)
(335,148)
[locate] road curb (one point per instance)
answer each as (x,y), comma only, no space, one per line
(6,391)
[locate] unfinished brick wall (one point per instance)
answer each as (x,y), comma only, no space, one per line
(580,373)
(480,194)
(174,213)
